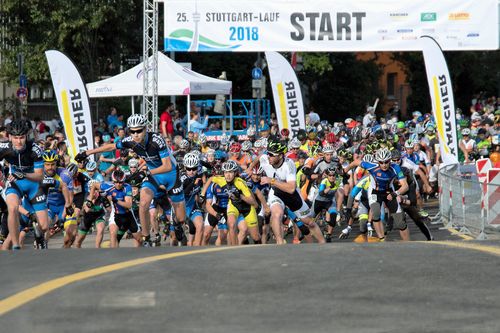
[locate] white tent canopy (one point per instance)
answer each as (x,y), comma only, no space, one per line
(173,80)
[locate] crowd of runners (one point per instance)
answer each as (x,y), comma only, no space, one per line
(313,185)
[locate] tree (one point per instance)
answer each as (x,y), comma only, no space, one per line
(339,85)
(92,33)
(471,73)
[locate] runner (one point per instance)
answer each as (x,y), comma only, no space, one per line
(161,170)
(25,174)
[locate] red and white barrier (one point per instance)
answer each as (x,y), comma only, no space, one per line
(482,167)
(492,199)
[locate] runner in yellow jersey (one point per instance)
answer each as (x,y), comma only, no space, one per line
(241,202)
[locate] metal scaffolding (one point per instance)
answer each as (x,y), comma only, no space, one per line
(150,64)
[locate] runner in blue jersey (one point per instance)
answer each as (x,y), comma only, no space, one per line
(59,198)
(217,200)
(381,190)
(261,192)
(119,195)
(161,170)
(410,152)
(92,174)
(192,183)
(26,173)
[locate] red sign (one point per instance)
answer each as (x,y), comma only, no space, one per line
(22,93)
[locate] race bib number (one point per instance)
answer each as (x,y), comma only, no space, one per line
(372,198)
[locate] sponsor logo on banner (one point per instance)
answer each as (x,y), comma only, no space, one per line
(289,108)
(74,106)
(428,17)
(428,30)
(319,26)
(443,105)
(388,38)
(103,90)
(404,31)
(398,16)
(459,16)
(287,94)
(409,37)
(473,34)
(451,37)
(444,112)
(72,101)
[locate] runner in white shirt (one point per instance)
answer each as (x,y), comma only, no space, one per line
(468,144)
(281,175)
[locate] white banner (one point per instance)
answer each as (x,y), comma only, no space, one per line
(443,105)
(72,101)
(286,94)
(325,25)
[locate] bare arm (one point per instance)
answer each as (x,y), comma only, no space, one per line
(427,185)
(249,200)
(36,176)
(127,203)
(288,187)
(66,194)
(209,208)
(104,148)
(166,166)
(205,187)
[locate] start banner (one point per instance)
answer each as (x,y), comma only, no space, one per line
(325,25)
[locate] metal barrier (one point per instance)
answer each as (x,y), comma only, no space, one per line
(463,202)
(249,111)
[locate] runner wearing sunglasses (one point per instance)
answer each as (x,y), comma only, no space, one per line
(381,191)
(280,173)
(161,169)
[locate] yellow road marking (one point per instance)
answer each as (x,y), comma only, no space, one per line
(106,244)
(469,246)
(10,303)
(459,234)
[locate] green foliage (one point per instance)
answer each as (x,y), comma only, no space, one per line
(92,33)
(317,63)
(339,85)
(471,73)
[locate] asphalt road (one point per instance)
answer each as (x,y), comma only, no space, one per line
(341,287)
(450,285)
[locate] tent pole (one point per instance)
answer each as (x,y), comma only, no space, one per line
(132,102)
(188,108)
(231,125)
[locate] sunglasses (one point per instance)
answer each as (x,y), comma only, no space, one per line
(118,182)
(271,154)
(331,175)
(192,169)
(136,131)
(396,161)
(385,162)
